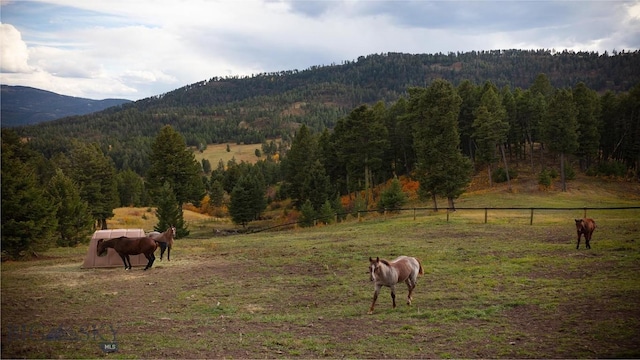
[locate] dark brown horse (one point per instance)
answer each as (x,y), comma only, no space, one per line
(126,246)
(585,226)
(389,273)
(164,240)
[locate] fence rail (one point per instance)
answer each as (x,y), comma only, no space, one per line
(486,210)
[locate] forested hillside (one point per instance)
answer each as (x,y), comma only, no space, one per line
(269,105)
(22,105)
(351,138)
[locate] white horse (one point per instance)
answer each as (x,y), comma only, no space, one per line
(385,273)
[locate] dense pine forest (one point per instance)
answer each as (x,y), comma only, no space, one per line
(435,119)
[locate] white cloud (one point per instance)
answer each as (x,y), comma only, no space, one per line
(14,55)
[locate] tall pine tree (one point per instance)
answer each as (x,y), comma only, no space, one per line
(74,220)
(560,128)
(28,213)
(442,169)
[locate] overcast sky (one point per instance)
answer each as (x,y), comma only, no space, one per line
(134,49)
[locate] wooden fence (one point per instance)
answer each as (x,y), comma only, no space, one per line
(449,211)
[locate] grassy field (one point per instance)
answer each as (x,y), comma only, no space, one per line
(216,152)
(505,289)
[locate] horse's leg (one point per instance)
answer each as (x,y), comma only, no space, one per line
(168,252)
(393,295)
(411,284)
(587,239)
(128,261)
(375,297)
(163,247)
(124,260)
(578,246)
(151,257)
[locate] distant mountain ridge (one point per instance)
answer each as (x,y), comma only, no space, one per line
(23,105)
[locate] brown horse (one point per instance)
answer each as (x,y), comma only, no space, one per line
(585,226)
(385,273)
(126,246)
(164,240)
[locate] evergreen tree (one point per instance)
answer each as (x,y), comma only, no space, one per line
(130,188)
(392,198)
(247,199)
(28,214)
(333,168)
(441,169)
(206,166)
(326,213)
(470,96)
(514,137)
(361,142)
(169,212)
(490,129)
(75,223)
(217,193)
(298,164)
(560,128)
(588,106)
(231,175)
(611,132)
(308,214)
(400,155)
(95,175)
(316,185)
(531,109)
(173,162)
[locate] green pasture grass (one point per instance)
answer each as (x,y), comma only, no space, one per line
(216,152)
(504,289)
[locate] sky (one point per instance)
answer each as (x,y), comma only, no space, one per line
(134,49)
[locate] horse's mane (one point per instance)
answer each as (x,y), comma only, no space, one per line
(385,262)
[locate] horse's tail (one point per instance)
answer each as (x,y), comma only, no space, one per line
(421,271)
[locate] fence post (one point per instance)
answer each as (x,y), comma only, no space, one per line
(531,220)
(485,215)
(447,214)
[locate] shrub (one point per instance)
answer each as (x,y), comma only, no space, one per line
(326,213)
(308,214)
(544,179)
(608,168)
(393,197)
(569,173)
(499,175)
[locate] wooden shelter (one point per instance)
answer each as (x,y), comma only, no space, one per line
(92,260)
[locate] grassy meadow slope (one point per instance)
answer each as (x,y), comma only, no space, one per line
(216,152)
(504,289)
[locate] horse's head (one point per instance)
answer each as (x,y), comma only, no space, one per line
(374,265)
(101,249)
(173,231)
(580,224)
